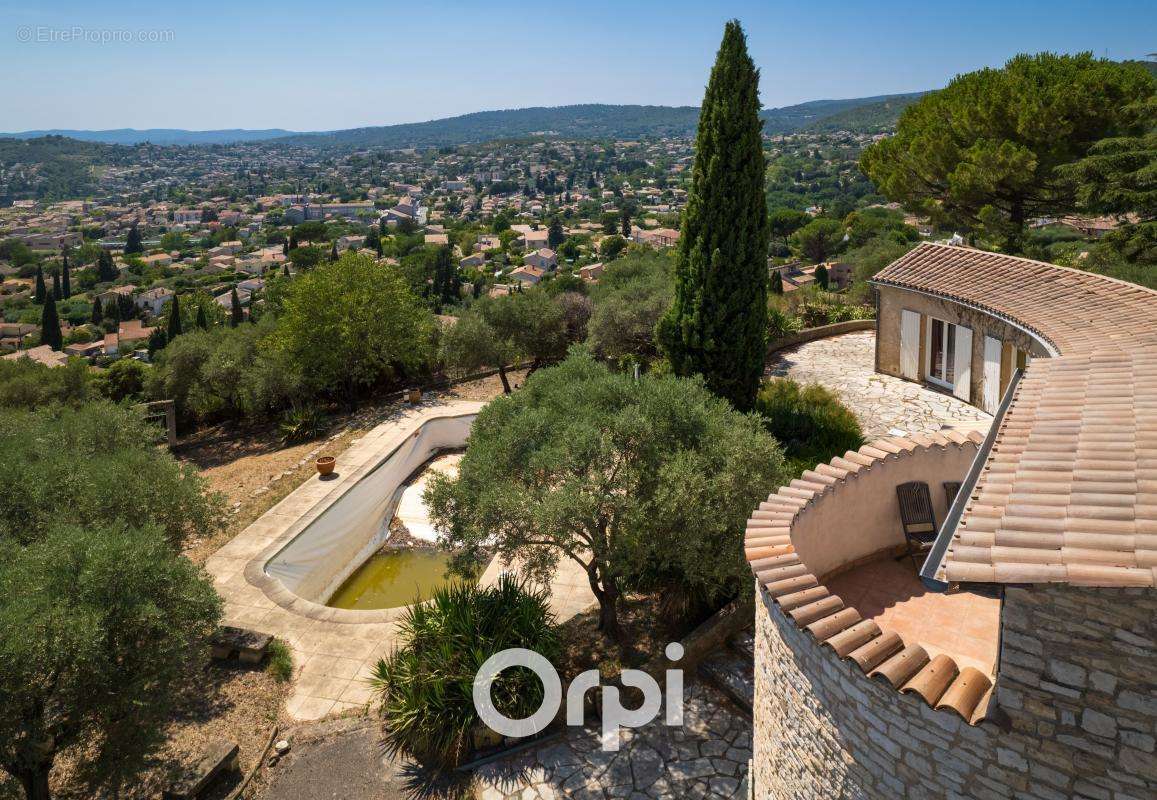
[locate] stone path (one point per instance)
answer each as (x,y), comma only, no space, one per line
(705,758)
(885,405)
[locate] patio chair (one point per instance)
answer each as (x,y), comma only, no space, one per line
(916,517)
(951,489)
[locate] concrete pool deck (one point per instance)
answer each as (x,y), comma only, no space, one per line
(334,650)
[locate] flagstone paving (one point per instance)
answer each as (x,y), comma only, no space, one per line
(885,405)
(706,757)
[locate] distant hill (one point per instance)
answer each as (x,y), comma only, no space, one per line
(158,135)
(63,167)
(867,118)
(593,121)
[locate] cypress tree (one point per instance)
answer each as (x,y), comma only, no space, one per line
(717,325)
(202,320)
(133,242)
(65,281)
(236,315)
(50,325)
(625,218)
(777,282)
(106,271)
(41,289)
(555,234)
(174,329)
(823,280)
(333,251)
(56,285)
(97,312)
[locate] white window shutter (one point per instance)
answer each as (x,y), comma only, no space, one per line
(963,364)
(909,344)
(992,348)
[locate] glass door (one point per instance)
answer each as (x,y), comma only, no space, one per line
(941,352)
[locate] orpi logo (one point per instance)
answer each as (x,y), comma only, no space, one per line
(615,717)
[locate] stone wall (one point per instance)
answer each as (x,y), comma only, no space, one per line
(821,332)
(893,300)
(1077,719)
(1078,680)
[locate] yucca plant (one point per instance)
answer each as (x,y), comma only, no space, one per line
(426,685)
(302,423)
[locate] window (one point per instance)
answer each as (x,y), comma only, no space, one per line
(941,352)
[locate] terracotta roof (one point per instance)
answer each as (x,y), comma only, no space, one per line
(1068,492)
(1071,310)
(880,653)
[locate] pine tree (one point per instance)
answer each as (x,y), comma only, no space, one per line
(133,243)
(174,329)
(97,312)
(236,314)
(65,281)
(717,325)
(50,325)
(41,289)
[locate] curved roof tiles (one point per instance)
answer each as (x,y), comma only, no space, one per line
(1068,492)
(880,653)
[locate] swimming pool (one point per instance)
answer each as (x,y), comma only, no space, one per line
(352,527)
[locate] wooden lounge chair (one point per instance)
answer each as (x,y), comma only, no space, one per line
(951,489)
(916,517)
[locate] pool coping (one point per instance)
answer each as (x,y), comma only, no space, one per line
(283,597)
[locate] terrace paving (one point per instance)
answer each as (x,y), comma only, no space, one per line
(885,405)
(706,757)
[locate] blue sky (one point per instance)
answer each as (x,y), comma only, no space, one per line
(320,66)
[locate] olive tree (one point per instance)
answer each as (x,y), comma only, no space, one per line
(97,629)
(629,479)
(94,465)
(500,331)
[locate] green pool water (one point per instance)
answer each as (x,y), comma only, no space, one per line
(393,578)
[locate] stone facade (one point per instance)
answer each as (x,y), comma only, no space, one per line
(1076,716)
(892,300)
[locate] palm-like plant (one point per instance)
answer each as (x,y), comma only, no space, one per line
(426,685)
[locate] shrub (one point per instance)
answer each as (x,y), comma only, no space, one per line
(426,685)
(280,664)
(95,465)
(27,384)
(302,423)
(810,421)
(781,324)
(100,626)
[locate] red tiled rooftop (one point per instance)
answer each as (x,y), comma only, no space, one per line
(1068,492)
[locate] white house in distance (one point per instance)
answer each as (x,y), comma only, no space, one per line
(154,300)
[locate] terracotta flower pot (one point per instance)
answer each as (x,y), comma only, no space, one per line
(325,465)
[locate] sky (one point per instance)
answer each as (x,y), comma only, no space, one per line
(327,66)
